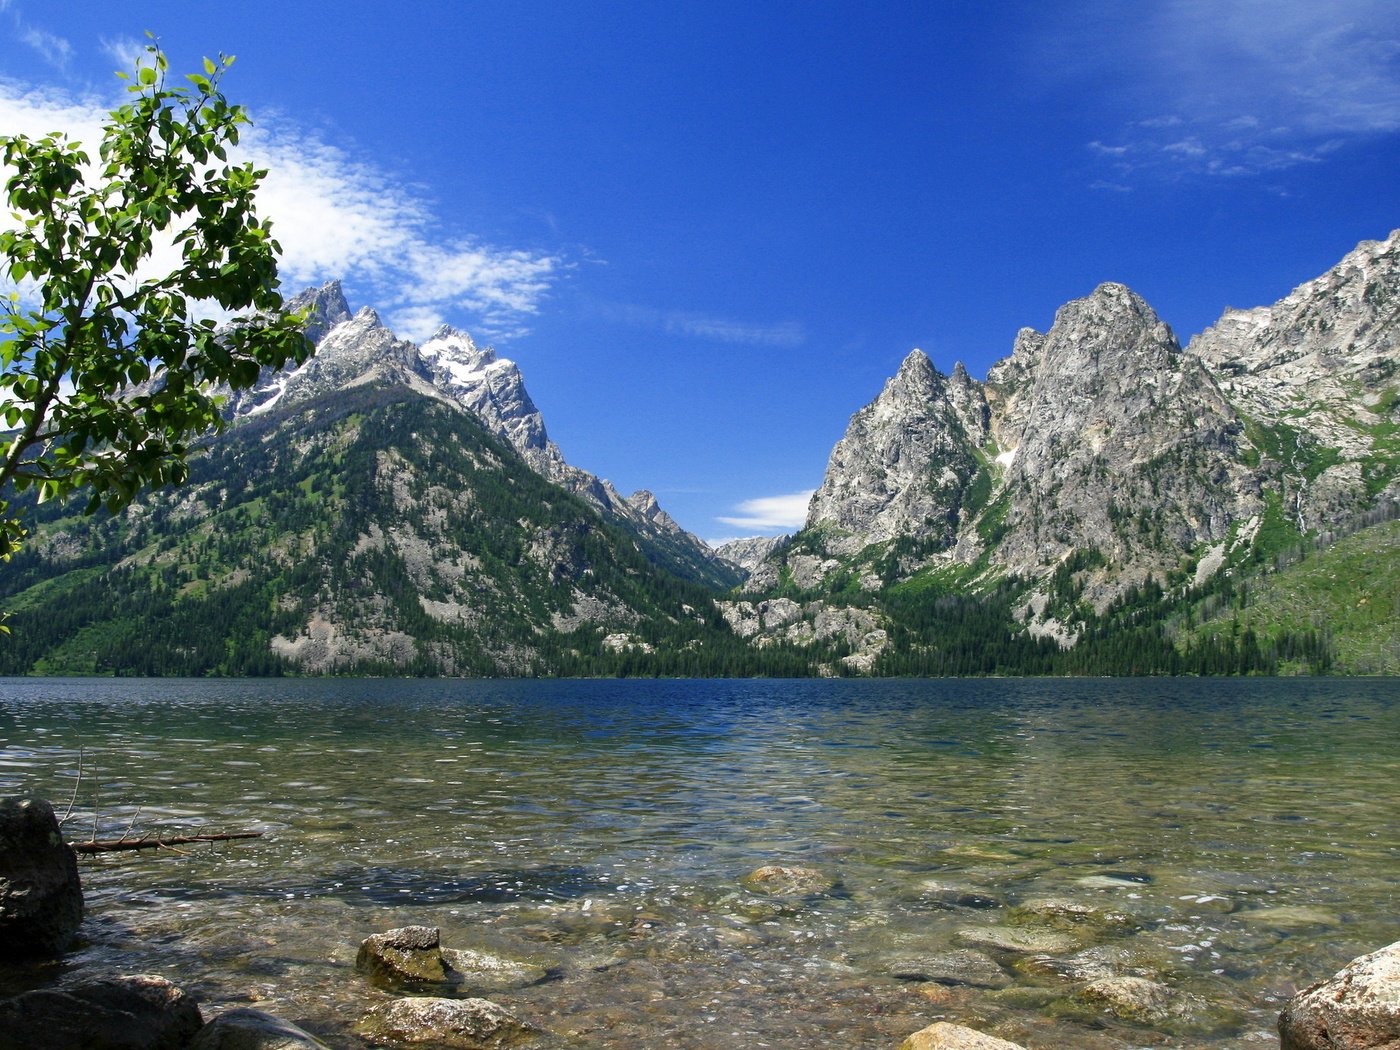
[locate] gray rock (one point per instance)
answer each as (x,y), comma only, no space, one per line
(246,1029)
(41,897)
(141,1012)
(446,1024)
(945,1036)
(1357,1009)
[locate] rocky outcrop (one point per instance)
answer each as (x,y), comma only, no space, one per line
(245,1029)
(1117,441)
(108,1013)
(748,553)
(1316,375)
(446,1024)
(1103,446)
(904,463)
(1356,1009)
(41,897)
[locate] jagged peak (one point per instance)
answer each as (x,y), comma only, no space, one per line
(449,333)
(642,499)
(916,371)
(960,374)
(327,306)
(1109,301)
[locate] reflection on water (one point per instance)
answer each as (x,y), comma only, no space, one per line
(1230,839)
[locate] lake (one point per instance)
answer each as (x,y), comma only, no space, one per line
(985,847)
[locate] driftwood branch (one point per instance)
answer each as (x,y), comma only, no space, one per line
(116,845)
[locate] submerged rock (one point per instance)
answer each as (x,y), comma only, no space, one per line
(1091,964)
(1018,939)
(485,972)
(41,897)
(246,1029)
(790,880)
(142,1012)
(1149,1003)
(1130,998)
(957,895)
(1357,1009)
(962,966)
(945,1036)
(1066,914)
(446,1024)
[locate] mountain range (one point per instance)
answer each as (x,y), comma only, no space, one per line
(1101,503)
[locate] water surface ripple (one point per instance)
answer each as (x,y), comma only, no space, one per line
(1231,840)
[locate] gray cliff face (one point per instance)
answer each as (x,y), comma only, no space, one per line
(1315,374)
(1116,441)
(748,554)
(904,463)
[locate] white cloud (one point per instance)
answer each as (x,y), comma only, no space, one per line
(1237,87)
(703,326)
(336,216)
(772,513)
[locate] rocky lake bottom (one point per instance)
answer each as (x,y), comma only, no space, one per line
(1097,864)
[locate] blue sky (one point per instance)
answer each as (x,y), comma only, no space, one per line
(708,232)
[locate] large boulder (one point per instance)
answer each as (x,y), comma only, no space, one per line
(41,898)
(105,1013)
(245,1029)
(945,1036)
(446,1024)
(1358,1009)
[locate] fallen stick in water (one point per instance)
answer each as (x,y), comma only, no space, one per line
(115,845)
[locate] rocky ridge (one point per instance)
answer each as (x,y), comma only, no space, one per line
(356,349)
(1104,449)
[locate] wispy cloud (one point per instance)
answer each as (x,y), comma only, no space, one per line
(54,49)
(772,513)
(337,216)
(1236,87)
(125,51)
(704,326)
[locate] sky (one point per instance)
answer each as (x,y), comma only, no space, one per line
(709,231)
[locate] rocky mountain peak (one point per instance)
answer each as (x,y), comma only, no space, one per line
(327,305)
(644,503)
(902,465)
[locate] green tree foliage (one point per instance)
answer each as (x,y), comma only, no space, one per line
(106,375)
